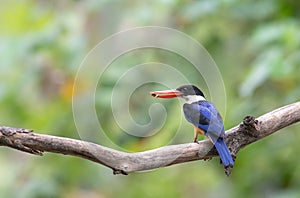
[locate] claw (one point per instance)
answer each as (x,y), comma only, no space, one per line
(195,141)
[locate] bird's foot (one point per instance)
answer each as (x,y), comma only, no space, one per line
(195,141)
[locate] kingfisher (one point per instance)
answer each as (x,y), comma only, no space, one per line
(203,115)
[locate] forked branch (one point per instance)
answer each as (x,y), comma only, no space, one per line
(249,131)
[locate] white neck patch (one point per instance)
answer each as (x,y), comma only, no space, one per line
(193,98)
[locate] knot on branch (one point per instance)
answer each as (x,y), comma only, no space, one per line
(247,132)
(227,170)
(250,126)
(118,171)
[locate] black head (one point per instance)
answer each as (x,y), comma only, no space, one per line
(189,90)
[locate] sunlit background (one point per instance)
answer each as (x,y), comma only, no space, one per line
(256,45)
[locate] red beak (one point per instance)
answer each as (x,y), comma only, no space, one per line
(166,94)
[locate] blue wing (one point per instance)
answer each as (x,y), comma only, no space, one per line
(205,116)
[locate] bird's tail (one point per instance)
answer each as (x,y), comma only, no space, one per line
(224,153)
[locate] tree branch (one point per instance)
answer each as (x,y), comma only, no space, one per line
(237,137)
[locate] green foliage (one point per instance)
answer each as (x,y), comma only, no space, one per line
(256,45)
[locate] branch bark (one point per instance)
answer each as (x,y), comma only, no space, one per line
(249,131)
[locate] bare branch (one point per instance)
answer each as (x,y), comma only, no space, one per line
(237,137)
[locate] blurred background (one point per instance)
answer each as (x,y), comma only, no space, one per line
(256,45)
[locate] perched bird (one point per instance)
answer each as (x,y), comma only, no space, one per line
(203,115)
